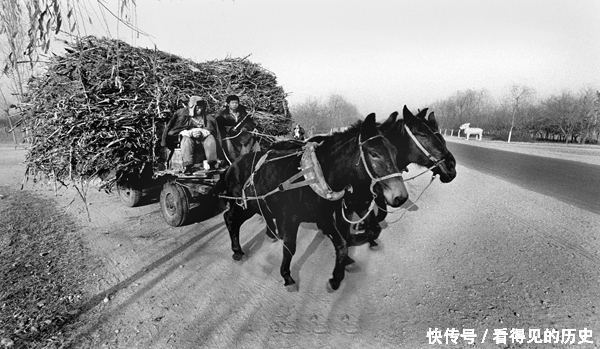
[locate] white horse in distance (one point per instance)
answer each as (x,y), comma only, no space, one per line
(472,131)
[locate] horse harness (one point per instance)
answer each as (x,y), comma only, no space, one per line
(372,205)
(311,170)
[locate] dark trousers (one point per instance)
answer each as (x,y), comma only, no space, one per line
(190,145)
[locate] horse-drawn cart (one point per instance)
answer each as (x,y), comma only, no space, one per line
(179,192)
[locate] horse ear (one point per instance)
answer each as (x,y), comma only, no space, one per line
(407,114)
(370,119)
(432,121)
(389,122)
(422,113)
(369,126)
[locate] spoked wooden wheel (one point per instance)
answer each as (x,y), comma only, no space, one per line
(130,195)
(174,204)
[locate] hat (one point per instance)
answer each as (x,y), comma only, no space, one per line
(195,100)
(232,98)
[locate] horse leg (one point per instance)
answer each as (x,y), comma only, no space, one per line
(372,224)
(373,229)
(371,233)
(341,253)
(288,230)
(381,206)
(344,229)
(234,217)
(269,221)
(271,229)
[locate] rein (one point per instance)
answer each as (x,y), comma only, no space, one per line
(312,175)
(411,205)
(281,187)
(436,163)
(374,180)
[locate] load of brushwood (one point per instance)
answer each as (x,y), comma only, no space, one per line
(98,110)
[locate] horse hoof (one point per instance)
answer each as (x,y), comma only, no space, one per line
(373,244)
(291,287)
(334,284)
(238,256)
(348,261)
(352,268)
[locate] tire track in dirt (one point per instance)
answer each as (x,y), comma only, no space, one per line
(464,260)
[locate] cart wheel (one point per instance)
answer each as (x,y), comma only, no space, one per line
(174,204)
(129,195)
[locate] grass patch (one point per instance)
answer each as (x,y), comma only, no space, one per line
(43,270)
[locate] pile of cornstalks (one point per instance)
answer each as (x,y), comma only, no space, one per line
(99,108)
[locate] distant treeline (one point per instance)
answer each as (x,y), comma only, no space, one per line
(317,116)
(568,117)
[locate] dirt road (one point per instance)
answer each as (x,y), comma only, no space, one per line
(476,254)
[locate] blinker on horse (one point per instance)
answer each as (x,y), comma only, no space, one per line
(358,158)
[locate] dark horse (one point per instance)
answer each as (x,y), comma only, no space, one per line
(359,158)
(417,141)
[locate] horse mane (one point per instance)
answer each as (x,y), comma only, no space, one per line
(332,139)
(345,135)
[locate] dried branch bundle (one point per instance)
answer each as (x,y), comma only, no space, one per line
(97,109)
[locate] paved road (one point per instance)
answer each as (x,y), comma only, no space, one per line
(573,182)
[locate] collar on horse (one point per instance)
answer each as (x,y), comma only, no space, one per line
(311,170)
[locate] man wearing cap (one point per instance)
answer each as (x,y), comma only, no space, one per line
(193,128)
(235,125)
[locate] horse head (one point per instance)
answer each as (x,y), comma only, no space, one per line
(447,169)
(418,141)
(378,156)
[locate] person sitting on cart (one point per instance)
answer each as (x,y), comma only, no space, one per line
(193,128)
(299,132)
(235,126)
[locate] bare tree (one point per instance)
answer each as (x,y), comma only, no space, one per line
(318,117)
(564,113)
(589,100)
(462,107)
(340,112)
(309,115)
(518,95)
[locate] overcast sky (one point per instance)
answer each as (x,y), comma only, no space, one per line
(382,54)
